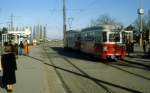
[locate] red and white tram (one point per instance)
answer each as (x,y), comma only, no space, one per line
(103,42)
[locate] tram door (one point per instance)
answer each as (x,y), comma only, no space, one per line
(127,37)
(128,41)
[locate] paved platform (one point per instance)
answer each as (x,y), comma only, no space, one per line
(35,77)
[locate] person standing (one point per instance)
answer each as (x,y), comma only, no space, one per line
(16,49)
(21,47)
(128,47)
(9,66)
(26,47)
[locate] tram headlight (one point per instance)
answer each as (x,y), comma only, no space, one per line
(105,48)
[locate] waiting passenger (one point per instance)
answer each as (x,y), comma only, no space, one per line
(8,62)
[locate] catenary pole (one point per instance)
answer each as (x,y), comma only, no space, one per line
(64,22)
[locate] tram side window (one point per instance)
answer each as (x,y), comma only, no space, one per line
(111,37)
(117,37)
(86,37)
(97,36)
(90,36)
(104,36)
(78,38)
(83,36)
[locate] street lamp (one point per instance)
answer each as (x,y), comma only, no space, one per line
(140,12)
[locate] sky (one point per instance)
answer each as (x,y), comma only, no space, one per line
(79,13)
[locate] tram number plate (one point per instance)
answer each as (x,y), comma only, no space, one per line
(112,56)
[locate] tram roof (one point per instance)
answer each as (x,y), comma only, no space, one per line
(106,27)
(73,31)
(92,28)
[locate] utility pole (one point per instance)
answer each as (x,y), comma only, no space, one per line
(44,33)
(64,22)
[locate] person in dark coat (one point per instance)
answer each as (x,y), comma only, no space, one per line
(21,46)
(16,49)
(8,61)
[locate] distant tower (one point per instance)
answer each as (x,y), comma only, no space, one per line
(11,23)
(140,12)
(37,32)
(34,31)
(44,33)
(41,32)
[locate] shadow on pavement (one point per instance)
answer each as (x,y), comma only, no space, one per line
(75,54)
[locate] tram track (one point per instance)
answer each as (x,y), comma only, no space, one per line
(84,74)
(65,86)
(91,78)
(138,64)
(88,76)
(128,64)
(95,80)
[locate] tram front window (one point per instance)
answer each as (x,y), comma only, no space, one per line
(104,36)
(114,37)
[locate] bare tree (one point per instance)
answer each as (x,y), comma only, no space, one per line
(148,19)
(105,20)
(148,24)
